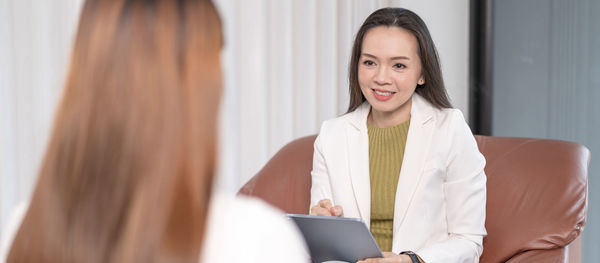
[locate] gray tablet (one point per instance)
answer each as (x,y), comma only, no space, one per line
(336,238)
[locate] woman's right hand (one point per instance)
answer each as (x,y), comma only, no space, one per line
(325,208)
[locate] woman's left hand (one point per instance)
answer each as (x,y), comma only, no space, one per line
(388,257)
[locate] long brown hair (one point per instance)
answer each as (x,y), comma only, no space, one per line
(433,90)
(128,171)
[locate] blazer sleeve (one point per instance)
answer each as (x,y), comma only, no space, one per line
(465,197)
(321,187)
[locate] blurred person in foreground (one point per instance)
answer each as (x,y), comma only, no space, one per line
(129,169)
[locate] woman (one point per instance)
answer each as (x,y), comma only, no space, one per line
(128,172)
(401,158)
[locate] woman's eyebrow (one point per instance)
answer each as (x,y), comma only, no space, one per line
(400,57)
(368,55)
(392,58)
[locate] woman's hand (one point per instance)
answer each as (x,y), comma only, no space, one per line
(325,208)
(388,257)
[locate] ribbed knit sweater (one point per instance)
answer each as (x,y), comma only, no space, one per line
(386,151)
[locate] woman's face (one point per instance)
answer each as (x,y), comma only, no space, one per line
(389,70)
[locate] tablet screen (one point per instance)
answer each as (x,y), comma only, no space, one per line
(336,238)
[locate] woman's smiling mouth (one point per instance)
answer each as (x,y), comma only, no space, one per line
(382,95)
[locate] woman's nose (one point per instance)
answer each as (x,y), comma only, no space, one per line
(382,76)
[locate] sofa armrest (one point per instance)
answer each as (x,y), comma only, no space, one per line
(542,255)
(574,250)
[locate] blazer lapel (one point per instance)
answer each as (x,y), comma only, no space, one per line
(417,145)
(358,160)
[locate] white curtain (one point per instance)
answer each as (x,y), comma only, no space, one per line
(35,43)
(285,70)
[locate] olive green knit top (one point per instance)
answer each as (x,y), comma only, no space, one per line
(386,151)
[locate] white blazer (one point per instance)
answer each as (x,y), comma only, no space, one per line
(439,210)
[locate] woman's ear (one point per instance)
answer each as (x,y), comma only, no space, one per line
(421,81)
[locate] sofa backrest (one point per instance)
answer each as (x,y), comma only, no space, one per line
(536,191)
(285,181)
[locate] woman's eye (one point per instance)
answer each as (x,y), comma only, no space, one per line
(399,66)
(368,63)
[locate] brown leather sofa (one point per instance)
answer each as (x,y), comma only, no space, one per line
(536,194)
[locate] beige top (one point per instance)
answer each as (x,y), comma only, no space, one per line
(386,151)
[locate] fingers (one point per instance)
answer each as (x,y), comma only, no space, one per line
(371,260)
(325,203)
(388,257)
(319,211)
(322,208)
(337,211)
(379,260)
(326,208)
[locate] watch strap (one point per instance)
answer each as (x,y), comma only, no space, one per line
(413,257)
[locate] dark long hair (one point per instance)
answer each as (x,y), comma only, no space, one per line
(433,90)
(128,172)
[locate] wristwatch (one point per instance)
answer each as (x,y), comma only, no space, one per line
(413,257)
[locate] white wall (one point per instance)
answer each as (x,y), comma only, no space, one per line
(448,23)
(285,66)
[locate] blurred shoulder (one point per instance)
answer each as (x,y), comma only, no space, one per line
(10,229)
(247,229)
(250,208)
